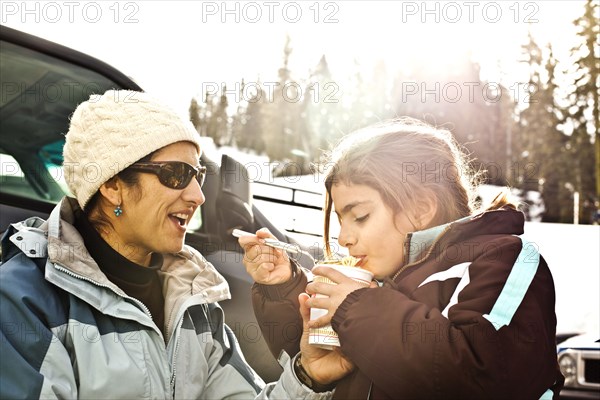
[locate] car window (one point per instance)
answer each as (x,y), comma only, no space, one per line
(12,178)
(39,93)
(14,181)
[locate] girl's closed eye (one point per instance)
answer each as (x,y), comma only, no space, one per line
(361,219)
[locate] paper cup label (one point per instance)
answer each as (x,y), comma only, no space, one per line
(325,337)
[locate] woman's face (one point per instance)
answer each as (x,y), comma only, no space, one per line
(156,222)
(369,229)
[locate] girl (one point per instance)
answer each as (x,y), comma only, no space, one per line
(463,306)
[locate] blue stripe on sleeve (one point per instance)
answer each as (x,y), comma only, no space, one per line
(516,286)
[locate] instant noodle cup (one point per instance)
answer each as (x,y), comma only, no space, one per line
(325,337)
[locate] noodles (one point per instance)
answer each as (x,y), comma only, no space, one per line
(347,261)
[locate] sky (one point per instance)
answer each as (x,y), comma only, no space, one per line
(182,49)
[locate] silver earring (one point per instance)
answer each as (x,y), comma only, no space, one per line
(118,211)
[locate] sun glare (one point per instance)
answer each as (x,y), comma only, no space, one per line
(355,37)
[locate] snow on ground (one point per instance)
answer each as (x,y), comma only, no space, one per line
(573,255)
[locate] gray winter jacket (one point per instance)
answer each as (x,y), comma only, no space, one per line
(66,331)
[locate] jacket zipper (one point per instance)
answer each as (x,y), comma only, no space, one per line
(184,306)
(172,317)
(68,272)
(174,360)
(426,255)
(176,346)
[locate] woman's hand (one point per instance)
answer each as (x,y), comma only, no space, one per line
(265,264)
(323,366)
(336,294)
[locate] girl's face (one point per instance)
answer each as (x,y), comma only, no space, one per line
(156,222)
(369,229)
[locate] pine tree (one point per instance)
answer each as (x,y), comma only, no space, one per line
(501,118)
(530,133)
(200,113)
(278,131)
(356,98)
(585,106)
(547,144)
(287,136)
(204,114)
(378,93)
(194,112)
(238,119)
(254,122)
(459,100)
(554,168)
(218,122)
(321,108)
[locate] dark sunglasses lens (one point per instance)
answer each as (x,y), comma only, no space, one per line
(176,175)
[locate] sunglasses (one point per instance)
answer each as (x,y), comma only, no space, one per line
(172,174)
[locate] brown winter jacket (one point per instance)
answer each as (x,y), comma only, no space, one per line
(469,315)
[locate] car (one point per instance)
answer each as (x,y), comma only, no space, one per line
(42,83)
(579,360)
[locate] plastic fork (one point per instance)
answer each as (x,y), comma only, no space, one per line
(288,247)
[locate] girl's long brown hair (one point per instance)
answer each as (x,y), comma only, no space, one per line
(405,159)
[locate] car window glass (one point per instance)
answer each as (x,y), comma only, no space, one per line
(12,178)
(14,181)
(39,93)
(51,156)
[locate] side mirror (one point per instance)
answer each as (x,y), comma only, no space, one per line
(234,199)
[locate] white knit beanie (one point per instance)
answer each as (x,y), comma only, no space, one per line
(109,132)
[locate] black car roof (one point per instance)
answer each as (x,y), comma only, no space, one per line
(67,54)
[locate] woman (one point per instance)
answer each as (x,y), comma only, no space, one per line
(463,307)
(104,300)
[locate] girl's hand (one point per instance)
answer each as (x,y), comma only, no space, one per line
(323,366)
(265,264)
(336,294)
